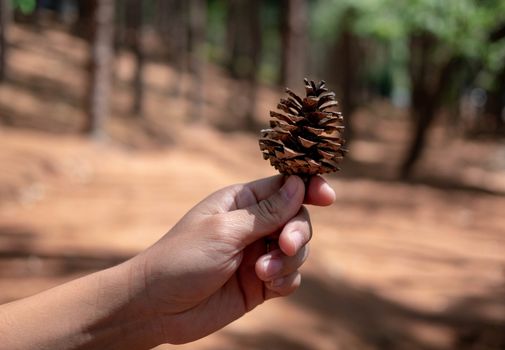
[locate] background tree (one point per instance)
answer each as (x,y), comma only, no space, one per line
(172,24)
(244,55)
(101,35)
(3,28)
(294,37)
(196,57)
(441,41)
(134,31)
(345,65)
(496,97)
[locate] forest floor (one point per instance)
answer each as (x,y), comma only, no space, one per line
(393,265)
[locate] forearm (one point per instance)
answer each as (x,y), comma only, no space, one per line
(98,311)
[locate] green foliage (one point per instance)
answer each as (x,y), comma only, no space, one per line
(216,30)
(270,32)
(460,27)
(25,6)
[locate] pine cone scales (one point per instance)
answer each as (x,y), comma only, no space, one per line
(307,138)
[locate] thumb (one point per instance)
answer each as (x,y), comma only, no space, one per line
(268,215)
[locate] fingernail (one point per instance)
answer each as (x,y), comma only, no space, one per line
(328,188)
(290,187)
(296,239)
(272,266)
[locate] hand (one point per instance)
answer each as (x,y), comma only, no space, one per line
(213,267)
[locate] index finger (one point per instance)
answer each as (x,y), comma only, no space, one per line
(240,196)
(234,197)
(319,192)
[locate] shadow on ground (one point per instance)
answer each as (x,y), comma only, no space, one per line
(385,324)
(21,256)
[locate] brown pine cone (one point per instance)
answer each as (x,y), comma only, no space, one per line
(305,139)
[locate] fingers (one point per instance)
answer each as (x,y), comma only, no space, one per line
(267,215)
(279,268)
(240,196)
(276,264)
(248,212)
(319,192)
(296,233)
(283,286)
(279,271)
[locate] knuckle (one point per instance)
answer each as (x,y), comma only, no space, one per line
(269,211)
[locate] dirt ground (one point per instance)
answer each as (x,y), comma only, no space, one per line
(393,265)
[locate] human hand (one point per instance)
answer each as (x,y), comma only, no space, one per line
(213,266)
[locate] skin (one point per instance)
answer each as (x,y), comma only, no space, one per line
(210,269)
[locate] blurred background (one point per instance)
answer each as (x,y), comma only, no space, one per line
(116,117)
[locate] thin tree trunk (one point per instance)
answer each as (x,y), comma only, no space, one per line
(196,62)
(424,116)
(345,60)
(294,41)
(4,22)
(134,20)
(495,105)
(100,65)
(348,80)
(255,54)
(429,83)
(232,34)
(244,46)
(174,27)
(83,27)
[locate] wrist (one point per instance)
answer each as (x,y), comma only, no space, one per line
(104,310)
(128,314)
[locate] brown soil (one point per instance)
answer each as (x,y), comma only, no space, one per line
(393,265)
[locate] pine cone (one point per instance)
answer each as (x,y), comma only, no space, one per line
(306,139)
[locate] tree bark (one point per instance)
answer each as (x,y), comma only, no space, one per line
(294,30)
(346,59)
(196,58)
(244,44)
(173,23)
(134,25)
(495,105)
(101,30)
(497,34)
(348,71)
(4,22)
(429,81)
(232,35)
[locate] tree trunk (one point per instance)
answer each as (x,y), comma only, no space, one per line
(429,81)
(294,30)
(244,43)
(495,105)
(134,25)
(232,35)
(4,21)
(348,80)
(255,54)
(101,29)
(173,18)
(83,27)
(196,62)
(345,59)
(496,99)
(423,112)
